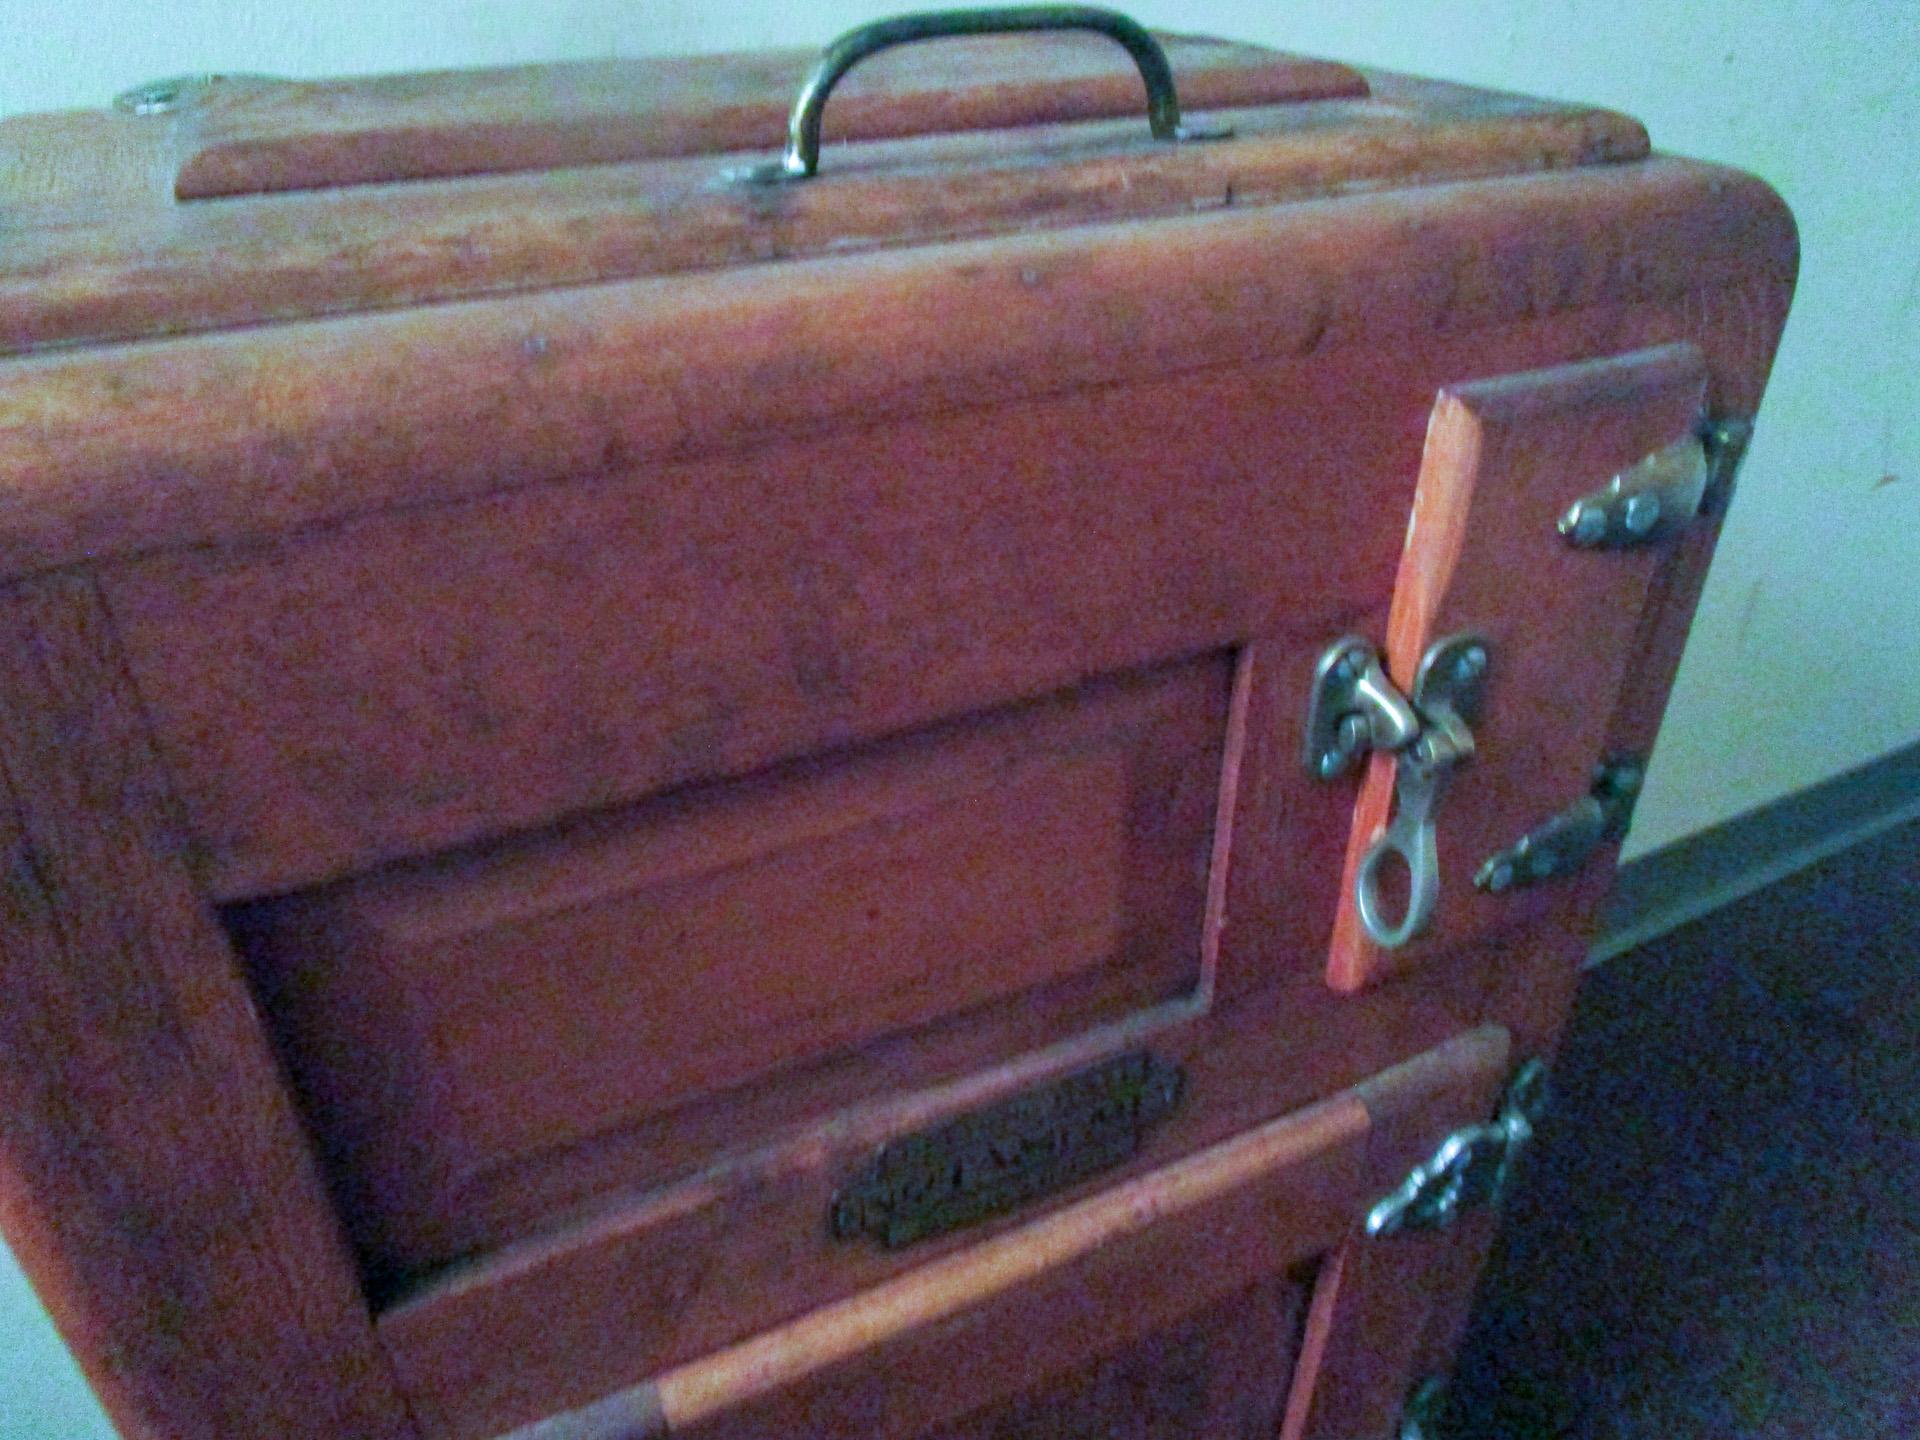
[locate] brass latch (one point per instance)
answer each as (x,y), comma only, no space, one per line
(1355,708)
(1471,1167)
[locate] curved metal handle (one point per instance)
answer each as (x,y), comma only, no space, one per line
(802,157)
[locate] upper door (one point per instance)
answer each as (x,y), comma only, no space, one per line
(1549,505)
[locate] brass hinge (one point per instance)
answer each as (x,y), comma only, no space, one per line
(1663,492)
(1562,844)
(1427,1401)
(1472,1166)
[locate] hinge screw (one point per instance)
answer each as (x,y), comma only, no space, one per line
(1353,736)
(1586,525)
(1642,514)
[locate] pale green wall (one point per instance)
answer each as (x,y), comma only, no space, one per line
(1804,657)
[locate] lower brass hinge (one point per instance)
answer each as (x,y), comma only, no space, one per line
(1420,1420)
(1472,1166)
(1562,844)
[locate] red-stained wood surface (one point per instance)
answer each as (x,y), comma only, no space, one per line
(93,265)
(1505,456)
(1388,1309)
(153,1177)
(1050,1307)
(992,888)
(660,738)
(1173,1306)
(342,700)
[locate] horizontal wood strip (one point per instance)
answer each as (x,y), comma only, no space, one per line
(225,438)
(357,698)
(92,277)
(692,1393)
(618,639)
(256,136)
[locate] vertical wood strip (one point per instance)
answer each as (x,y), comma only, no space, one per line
(153,1175)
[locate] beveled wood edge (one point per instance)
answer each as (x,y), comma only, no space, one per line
(1409,1109)
(299,255)
(1455,443)
(373,130)
(1401,1102)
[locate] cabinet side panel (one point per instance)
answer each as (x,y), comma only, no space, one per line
(153,1178)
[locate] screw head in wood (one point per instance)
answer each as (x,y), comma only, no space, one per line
(1642,514)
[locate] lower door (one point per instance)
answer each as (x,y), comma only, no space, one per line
(1232,1294)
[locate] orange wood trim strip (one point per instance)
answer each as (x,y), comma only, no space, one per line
(1234,751)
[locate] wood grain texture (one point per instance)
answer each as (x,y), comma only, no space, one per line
(1504,458)
(1275,1037)
(254,134)
(85,272)
(630,999)
(341,700)
(132,449)
(1084,1323)
(486,571)
(1746,322)
(153,1177)
(1137,1256)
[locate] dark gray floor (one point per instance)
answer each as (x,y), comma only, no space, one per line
(1718,1232)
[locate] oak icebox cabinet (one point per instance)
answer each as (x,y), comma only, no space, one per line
(944,784)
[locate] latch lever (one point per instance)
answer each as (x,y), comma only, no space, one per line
(1357,708)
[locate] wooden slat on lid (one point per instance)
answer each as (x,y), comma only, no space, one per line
(98,271)
(255,138)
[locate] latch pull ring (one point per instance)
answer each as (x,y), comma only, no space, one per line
(1355,709)
(1411,834)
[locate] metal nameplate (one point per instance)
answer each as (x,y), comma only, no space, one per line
(991,1161)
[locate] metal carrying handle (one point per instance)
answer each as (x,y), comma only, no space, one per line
(802,158)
